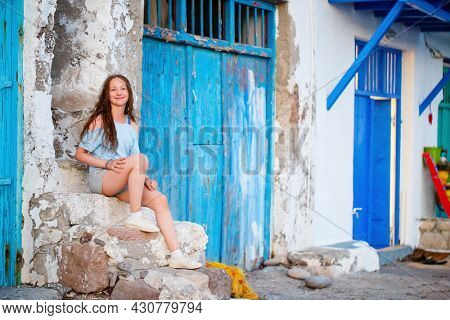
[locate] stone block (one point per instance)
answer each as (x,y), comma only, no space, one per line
(219,282)
(129,234)
(134,290)
(443,225)
(341,257)
(433,241)
(83,267)
(427,225)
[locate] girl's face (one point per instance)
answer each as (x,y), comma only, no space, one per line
(118,92)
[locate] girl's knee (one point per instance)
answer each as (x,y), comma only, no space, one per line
(139,160)
(161,201)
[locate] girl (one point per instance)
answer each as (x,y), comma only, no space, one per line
(109,145)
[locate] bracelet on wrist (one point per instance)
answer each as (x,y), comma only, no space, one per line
(106,164)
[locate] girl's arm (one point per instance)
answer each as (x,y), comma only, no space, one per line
(85,157)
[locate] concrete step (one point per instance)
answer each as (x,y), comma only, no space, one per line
(336,259)
(391,254)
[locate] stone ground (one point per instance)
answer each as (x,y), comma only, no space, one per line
(404,280)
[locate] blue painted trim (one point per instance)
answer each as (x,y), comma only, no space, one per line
(247,23)
(257,4)
(398,155)
(201,18)
(219,21)
(181,23)
(373,6)
(19,89)
(170,14)
(373,42)
(239,23)
(270,118)
(149,11)
(377,94)
(263,29)
(255,26)
(440,85)
(435,28)
(429,9)
(158,12)
(202,42)
(229,21)
(210,19)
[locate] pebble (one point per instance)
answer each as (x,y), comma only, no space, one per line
(298,273)
(86,237)
(99,242)
(317,282)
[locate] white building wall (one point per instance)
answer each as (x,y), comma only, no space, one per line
(334,30)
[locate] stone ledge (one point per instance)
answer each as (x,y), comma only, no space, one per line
(336,259)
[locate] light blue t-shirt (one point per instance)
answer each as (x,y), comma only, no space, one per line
(127,142)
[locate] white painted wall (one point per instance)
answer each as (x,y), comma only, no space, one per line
(334,31)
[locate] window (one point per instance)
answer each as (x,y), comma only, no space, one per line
(239,21)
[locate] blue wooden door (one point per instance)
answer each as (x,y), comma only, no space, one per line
(372,171)
(10,133)
(202,120)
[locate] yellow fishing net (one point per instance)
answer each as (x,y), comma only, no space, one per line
(239,286)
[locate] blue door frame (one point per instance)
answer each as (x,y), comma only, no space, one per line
(11,141)
(384,83)
(195,56)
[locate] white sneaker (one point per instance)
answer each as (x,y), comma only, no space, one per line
(137,221)
(179,261)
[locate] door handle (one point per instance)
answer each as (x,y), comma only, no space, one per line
(355,212)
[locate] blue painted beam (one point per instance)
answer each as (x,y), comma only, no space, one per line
(377,36)
(405,13)
(435,29)
(441,84)
(261,5)
(430,9)
(384,5)
(204,42)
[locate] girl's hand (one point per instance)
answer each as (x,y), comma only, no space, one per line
(116,165)
(151,185)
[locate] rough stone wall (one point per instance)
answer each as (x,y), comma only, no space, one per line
(70,46)
(295,108)
(435,234)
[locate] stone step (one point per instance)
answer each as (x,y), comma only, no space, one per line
(336,259)
(392,254)
(80,241)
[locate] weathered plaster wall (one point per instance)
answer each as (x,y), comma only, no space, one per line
(39,156)
(70,46)
(295,117)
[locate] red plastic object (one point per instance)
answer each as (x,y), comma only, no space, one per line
(440,190)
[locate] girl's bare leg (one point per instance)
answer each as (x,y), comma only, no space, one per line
(156,201)
(133,175)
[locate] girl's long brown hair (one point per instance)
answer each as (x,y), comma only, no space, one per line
(103,108)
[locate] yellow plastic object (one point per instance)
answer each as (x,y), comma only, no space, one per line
(443,175)
(239,286)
